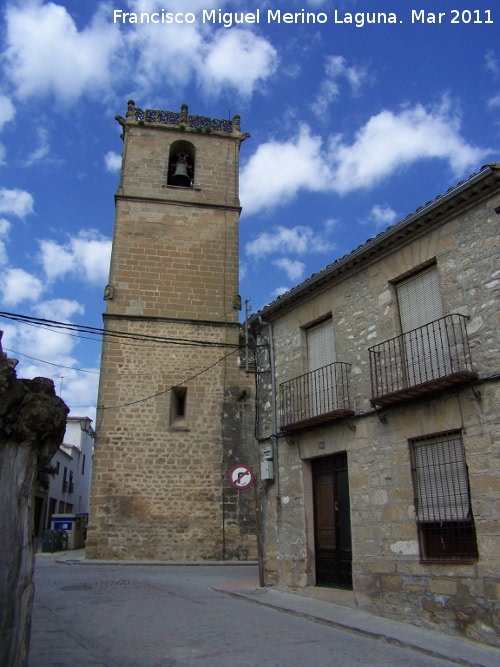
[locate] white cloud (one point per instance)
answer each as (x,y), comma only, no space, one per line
(298,240)
(41,152)
(45,52)
(79,389)
(239,59)
(387,142)
(7,110)
(390,141)
(295,164)
(4,232)
(331,224)
(278,291)
(336,69)
(4,227)
(236,58)
(61,310)
(42,342)
(112,161)
(16,202)
(7,113)
(85,256)
(293,268)
(494,102)
(18,285)
(174,5)
(168,57)
(491,63)
(382,215)
(3,254)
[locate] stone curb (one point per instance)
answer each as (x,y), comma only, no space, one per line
(428,642)
(77,557)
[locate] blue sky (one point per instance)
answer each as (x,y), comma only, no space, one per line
(353,127)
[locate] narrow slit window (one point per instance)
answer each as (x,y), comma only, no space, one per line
(442,499)
(178,406)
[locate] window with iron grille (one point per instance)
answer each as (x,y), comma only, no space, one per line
(442,498)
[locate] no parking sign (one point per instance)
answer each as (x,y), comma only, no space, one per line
(241,476)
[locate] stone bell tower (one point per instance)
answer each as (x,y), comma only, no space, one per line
(174,409)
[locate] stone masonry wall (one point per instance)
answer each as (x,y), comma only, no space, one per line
(157,488)
(174,260)
(145,168)
(388,575)
(160,488)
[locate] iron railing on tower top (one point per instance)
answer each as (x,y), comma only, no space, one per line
(182,119)
(427,359)
(316,397)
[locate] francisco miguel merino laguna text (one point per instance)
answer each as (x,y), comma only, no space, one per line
(358,19)
(228,19)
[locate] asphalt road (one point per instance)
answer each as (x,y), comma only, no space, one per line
(97,615)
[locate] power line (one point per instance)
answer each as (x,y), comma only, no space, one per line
(68,327)
(50,363)
(84,370)
(165,391)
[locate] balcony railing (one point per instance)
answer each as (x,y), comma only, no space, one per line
(315,398)
(422,361)
(42,480)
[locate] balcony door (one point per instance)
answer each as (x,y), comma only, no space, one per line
(425,346)
(321,353)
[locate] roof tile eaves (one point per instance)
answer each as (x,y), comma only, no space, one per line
(388,231)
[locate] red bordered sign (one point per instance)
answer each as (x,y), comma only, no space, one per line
(241,476)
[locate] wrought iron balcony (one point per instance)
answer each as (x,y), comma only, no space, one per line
(42,480)
(422,361)
(315,398)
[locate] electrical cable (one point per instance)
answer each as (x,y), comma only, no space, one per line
(165,391)
(50,363)
(54,325)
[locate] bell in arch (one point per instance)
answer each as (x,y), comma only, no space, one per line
(181,169)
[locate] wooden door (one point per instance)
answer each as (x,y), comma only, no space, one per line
(332,521)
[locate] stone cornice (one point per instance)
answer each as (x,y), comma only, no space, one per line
(172,320)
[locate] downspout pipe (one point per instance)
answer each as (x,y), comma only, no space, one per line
(274,439)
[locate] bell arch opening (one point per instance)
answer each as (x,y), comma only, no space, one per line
(181,163)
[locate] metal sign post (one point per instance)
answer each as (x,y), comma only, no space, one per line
(242,477)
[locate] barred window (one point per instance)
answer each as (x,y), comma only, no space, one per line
(442,498)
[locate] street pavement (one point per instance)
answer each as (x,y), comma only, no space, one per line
(109,614)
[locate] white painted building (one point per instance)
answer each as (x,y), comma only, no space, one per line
(69,487)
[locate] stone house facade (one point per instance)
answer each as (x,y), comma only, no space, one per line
(175,410)
(377,419)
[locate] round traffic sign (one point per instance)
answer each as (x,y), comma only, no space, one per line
(241,476)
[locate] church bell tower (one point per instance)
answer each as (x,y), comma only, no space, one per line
(174,406)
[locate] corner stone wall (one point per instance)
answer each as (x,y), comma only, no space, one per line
(388,576)
(158,489)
